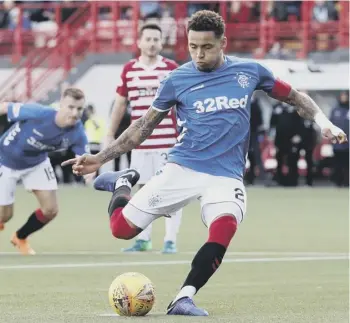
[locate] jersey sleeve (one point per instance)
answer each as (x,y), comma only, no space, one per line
(26,111)
(81,146)
(272,85)
(122,88)
(165,97)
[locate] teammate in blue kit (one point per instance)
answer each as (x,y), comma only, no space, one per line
(24,156)
(212,94)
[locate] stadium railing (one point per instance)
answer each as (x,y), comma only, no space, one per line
(111,26)
(42,68)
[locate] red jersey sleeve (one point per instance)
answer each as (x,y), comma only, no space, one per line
(172,65)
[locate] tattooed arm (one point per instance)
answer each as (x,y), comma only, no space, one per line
(133,136)
(128,140)
(308,109)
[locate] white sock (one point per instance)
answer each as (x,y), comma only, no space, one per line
(187,291)
(146,233)
(172,226)
(122,182)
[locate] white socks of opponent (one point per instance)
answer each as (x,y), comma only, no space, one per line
(172,226)
(145,234)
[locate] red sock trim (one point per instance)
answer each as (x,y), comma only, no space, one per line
(119,227)
(222,230)
(40,216)
(215,264)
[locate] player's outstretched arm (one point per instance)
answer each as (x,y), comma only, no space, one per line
(133,136)
(308,109)
(128,140)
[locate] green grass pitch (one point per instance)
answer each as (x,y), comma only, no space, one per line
(287,263)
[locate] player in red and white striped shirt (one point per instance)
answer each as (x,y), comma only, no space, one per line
(140,80)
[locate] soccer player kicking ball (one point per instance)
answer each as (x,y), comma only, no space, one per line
(212,94)
(24,156)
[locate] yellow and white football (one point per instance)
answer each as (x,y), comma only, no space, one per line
(131,294)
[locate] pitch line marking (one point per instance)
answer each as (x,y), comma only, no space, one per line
(166,262)
(232,253)
(126,317)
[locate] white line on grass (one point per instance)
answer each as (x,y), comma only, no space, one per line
(233,253)
(116,315)
(166,262)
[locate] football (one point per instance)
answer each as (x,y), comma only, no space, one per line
(131,294)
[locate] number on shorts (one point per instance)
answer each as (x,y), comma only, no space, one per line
(50,174)
(165,156)
(239,195)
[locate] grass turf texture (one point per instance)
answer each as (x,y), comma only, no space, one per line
(266,277)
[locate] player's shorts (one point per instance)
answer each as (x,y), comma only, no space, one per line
(176,186)
(40,177)
(148,162)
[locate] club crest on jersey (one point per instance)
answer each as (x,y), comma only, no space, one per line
(242,79)
(65,143)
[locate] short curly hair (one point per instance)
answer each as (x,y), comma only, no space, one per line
(206,20)
(74,92)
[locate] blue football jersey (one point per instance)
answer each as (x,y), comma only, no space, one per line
(213,112)
(34,134)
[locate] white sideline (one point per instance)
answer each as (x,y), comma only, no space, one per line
(232,253)
(116,315)
(166,262)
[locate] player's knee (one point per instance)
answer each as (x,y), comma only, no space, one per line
(230,224)
(120,234)
(121,227)
(223,229)
(213,212)
(50,212)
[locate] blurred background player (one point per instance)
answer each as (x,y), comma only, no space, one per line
(212,94)
(24,156)
(309,137)
(140,80)
(256,136)
(292,134)
(285,126)
(64,175)
(340,117)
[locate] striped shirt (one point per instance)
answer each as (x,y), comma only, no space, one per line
(139,85)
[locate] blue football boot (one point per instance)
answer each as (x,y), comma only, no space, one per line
(140,245)
(107,181)
(185,306)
